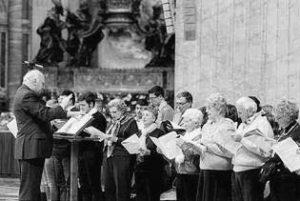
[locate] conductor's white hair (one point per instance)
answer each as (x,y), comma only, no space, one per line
(247,103)
(32,75)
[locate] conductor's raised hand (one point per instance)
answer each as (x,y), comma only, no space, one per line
(66,101)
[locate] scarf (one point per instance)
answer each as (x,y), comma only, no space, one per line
(144,134)
(114,130)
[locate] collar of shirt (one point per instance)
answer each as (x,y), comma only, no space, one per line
(287,130)
(193,135)
(162,104)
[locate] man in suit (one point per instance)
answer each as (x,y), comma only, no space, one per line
(165,111)
(34,139)
(91,153)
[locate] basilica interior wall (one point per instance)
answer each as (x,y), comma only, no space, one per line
(238,48)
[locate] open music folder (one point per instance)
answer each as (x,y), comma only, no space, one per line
(74,126)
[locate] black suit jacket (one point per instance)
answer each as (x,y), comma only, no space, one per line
(34,139)
(99,122)
(127,128)
(154,162)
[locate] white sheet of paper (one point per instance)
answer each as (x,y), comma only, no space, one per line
(12,127)
(167,144)
(195,145)
(228,143)
(132,144)
(289,153)
(96,133)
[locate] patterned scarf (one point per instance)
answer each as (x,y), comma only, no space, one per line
(114,130)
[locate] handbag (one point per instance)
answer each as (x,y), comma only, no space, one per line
(270,168)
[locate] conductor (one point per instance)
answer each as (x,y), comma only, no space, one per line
(34,139)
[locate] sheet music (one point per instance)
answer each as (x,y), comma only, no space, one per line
(132,144)
(167,144)
(228,143)
(196,146)
(75,125)
(289,153)
(12,127)
(96,133)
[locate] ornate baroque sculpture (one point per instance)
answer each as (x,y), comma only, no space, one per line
(84,34)
(52,45)
(130,30)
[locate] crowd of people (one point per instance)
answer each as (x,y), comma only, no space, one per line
(226,150)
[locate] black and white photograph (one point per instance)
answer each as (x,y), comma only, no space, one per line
(149,100)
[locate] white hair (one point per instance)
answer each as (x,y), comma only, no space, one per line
(247,103)
(32,76)
(218,102)
(194,114)
(119,104)
(287,108)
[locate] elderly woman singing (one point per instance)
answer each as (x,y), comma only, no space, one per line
(255,136)
(118,163)
(284,185)
(187,163)
(150,164)
(215,161)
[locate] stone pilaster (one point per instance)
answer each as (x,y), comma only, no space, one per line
(14,73)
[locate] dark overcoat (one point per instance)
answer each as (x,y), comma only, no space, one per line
(34,138)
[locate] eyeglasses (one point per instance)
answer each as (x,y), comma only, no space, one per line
(152,97)
(179,103)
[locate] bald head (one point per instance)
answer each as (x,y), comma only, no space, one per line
(35,80)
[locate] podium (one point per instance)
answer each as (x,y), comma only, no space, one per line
(75,141)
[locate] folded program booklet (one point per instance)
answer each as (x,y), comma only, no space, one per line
(74,126)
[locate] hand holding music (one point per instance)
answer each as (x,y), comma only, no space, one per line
(236,137)
(144,152)
(112,138)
